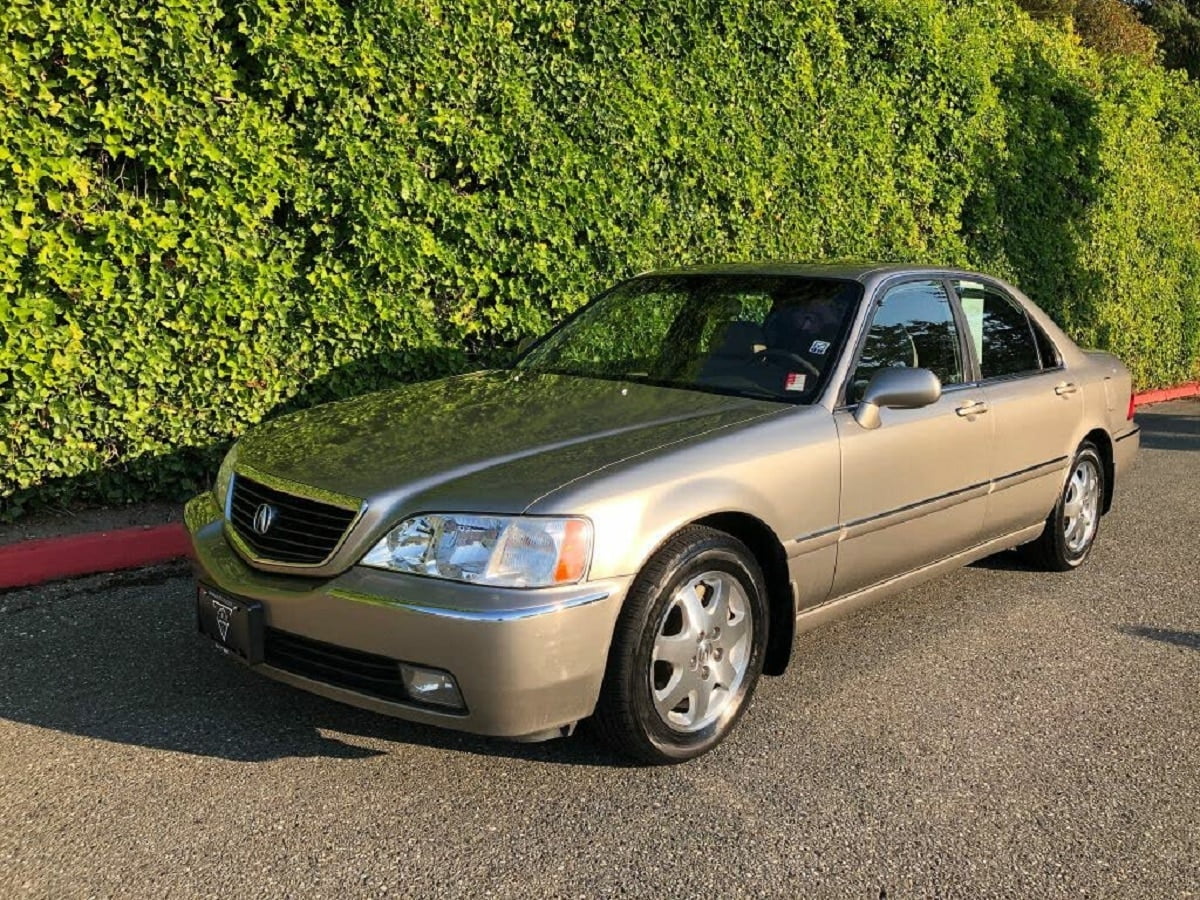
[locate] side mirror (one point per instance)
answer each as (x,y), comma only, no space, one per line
(899,388)
(525,343)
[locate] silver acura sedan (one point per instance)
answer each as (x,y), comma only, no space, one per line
(635,520)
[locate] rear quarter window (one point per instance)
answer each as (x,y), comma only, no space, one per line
(1051,358)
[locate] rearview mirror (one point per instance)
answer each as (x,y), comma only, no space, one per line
(896,388)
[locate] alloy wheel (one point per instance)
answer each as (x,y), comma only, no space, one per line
(701,651)
(1081,506)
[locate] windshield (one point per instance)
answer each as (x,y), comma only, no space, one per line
(765,336)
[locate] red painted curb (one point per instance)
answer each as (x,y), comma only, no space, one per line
(49,559)
(1161,395)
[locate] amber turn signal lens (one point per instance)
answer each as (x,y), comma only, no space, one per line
(576,547)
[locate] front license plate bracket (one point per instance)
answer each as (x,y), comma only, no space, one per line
(233,623)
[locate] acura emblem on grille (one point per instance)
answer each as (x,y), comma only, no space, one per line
(264,517)
(273,526)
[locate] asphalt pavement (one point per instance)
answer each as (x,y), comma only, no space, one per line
(998,732)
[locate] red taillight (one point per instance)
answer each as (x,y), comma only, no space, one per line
(1129,414)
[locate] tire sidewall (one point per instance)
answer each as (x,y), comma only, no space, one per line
(713,555)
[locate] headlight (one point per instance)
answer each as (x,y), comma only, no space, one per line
(506,551)
(224,476)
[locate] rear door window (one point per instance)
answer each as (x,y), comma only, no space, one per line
(1004,338)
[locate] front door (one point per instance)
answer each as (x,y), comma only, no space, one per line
(915,489)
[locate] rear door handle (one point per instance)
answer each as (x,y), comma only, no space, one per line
(1067,387)
(974,408)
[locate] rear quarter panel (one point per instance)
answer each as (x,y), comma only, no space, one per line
(1115,387)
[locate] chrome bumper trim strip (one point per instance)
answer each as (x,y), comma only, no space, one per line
(474,615)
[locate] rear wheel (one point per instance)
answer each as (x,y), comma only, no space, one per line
(1073,524)
(687,651)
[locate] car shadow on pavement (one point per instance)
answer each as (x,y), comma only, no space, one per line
(1006,561)
(1189,639)
(117,660)
(1162,431)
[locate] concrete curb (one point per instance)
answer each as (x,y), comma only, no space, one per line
(28,563)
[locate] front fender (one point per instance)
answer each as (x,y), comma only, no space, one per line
(784,471)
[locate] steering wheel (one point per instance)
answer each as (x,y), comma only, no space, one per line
(775,355)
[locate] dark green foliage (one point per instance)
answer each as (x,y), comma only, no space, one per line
(1178,25)
(210,211)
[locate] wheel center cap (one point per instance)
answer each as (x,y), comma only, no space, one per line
(703,652)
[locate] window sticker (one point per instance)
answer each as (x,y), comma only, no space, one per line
(795,381)
(819,347)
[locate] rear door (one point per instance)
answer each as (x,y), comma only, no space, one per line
(1036,409)
(913,490)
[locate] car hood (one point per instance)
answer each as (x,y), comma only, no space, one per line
(494,440)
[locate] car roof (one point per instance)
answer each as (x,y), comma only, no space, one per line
(851,270)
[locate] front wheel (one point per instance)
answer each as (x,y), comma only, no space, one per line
(687,651)
(1072,525)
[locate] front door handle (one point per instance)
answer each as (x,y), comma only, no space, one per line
(1067,387)
(974,408)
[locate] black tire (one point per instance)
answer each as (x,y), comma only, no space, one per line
(626,716)
(1052,550)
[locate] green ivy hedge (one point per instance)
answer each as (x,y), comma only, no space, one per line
(211,210)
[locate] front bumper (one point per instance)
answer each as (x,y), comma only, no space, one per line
(527,662)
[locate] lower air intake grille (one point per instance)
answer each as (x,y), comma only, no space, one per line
(366,673)
(297,530)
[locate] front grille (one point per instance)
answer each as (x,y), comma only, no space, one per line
(355,670)
(303,531)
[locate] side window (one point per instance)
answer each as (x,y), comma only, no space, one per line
(1002,333)
(913,326)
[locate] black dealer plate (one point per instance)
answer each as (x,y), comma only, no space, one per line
(235,624)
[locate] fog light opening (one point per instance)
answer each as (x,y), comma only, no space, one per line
(432,686)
